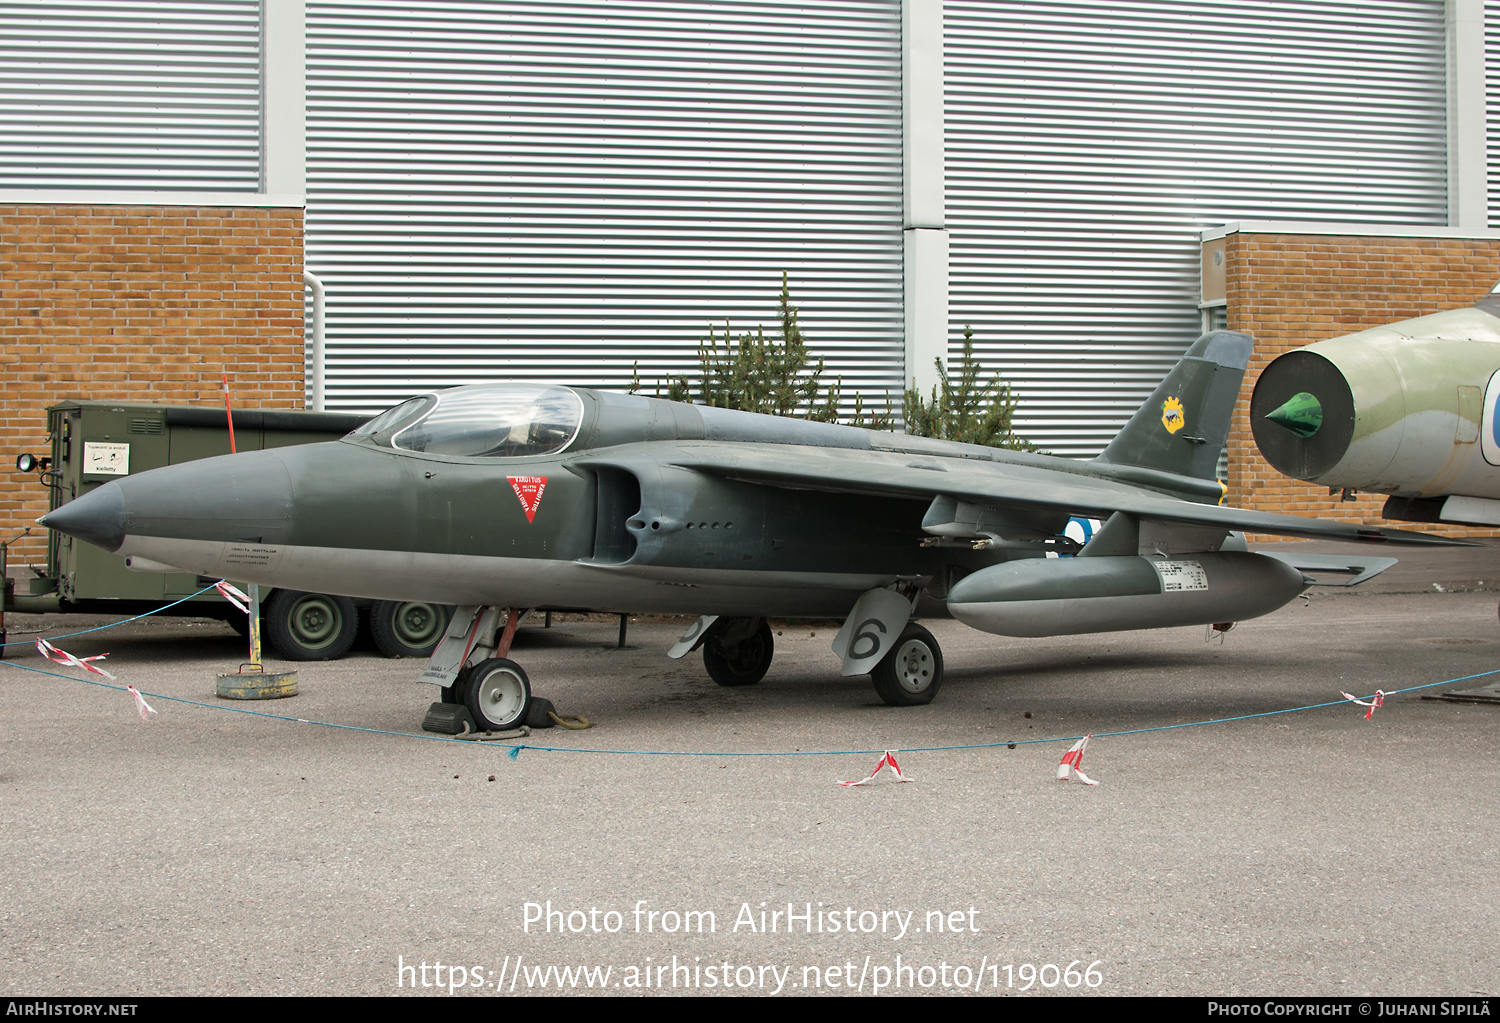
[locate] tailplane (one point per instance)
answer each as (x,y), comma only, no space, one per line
(1183,425)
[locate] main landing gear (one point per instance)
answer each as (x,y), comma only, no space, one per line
(910,674)
(738,651)
(906,673)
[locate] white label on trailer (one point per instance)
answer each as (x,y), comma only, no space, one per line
(1177,576)
(106,459)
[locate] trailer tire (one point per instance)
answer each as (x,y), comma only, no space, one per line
(310,626)
(408,628)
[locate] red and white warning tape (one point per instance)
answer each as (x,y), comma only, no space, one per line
(52,653)
(1072,759)
(234,595)
(144,709)
(1374,704)
(887,762)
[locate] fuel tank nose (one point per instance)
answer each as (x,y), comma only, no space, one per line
(97,517)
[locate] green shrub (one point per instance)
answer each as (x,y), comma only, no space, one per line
(775,375)
(973,410)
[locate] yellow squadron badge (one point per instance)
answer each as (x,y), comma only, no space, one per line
(1171,415)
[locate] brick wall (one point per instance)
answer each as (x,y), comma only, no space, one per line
(140,304)
(1288,291)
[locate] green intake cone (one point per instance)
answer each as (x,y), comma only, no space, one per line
(1301,414)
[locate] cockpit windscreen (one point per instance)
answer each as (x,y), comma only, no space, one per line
(483,421)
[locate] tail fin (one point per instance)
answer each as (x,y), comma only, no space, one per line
(1183,425)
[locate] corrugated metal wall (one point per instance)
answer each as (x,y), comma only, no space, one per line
(1492,106)
(1089,142)
(557,190)
(110,94)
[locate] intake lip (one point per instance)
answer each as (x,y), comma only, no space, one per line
(97,517)
(1309,375)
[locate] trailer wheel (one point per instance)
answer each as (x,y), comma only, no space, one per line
(408,628)
(310,626)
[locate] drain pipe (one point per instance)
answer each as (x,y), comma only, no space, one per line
(314,400)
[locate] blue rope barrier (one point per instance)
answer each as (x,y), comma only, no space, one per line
(514,750)
(111,625)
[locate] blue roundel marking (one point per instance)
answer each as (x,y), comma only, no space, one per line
(1080,530)
(1495,420)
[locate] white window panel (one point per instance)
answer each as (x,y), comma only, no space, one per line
(1090,142)
(556,191)
(123,95)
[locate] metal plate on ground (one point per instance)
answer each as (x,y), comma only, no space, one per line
(267,685)
(1484,694)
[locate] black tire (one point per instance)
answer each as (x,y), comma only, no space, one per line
(740,664)
(239,623)
(408,628)
(911,672)
(497,693)
(310,626)
(455,692)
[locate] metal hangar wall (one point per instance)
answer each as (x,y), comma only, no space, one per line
(564,190)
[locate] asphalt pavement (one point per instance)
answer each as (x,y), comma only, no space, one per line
(209,851)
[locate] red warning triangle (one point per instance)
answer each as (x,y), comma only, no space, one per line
(529,490)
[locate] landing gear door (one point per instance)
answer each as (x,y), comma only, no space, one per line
(448,657)
(691,638)
(871,630)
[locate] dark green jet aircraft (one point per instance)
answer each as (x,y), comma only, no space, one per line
(506,498)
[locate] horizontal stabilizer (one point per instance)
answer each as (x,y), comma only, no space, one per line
(1360,568)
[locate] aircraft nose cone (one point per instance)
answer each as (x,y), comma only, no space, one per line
(1301,413)
(245,497)
(97,517)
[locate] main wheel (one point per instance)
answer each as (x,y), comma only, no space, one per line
(910,674)
(407,629)
(741,662)
(496,694)
(310,626)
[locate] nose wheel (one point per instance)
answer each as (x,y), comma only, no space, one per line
(911,673)
(496,691)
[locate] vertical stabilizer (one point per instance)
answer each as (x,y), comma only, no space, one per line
(1183,425)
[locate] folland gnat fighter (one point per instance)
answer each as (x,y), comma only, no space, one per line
(505,498)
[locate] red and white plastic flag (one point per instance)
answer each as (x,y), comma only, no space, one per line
(887,762)
(234,595)
(1374,704)
(52,653)
(1072,760)
(144,709)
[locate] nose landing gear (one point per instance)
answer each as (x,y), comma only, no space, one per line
(472,669)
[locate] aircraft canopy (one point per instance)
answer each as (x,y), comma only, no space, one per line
(482,421)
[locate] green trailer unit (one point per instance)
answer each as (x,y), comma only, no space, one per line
(93,442)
